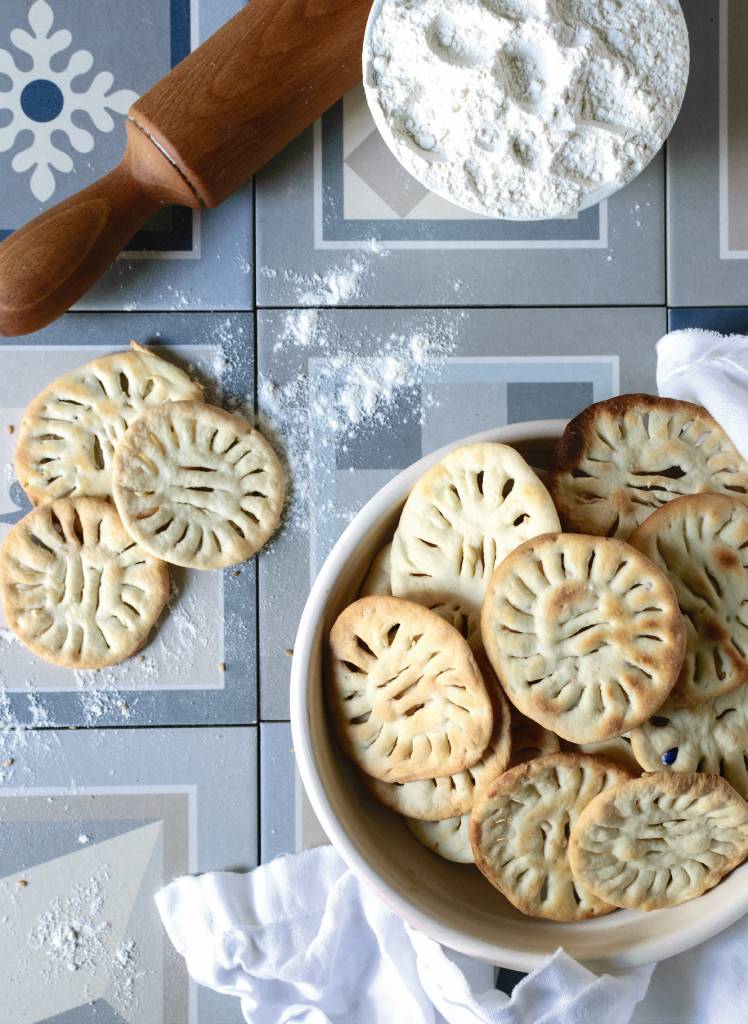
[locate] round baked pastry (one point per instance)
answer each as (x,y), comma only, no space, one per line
(75,588)
(710,737)
(405,693)
(69,432)
(460,520)
(520,827)
(619,460)
(618,750)
(659,840)
(450,796)
(377,580)
(449,838)
(197,486)
(584,634)
(701,544)
(529,740)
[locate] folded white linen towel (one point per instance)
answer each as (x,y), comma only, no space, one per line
(711,370)
(302,940)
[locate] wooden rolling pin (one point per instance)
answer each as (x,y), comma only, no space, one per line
(192,139)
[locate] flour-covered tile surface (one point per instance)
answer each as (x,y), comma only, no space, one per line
(355,396)
(200,665)
(339,222)
(68,73)
(708,163)
(93,823)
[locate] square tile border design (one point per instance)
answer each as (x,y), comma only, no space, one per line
(726,252)
(332,230)
(702,269)
(195,770)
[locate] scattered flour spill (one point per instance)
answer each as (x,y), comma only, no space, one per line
(301,328)
(71,934)
(101,695)
(124,976)
(23,746)
(349,389)
(338,285)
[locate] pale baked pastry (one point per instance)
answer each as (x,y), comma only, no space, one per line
(584,634)
(405,693)
(520,827)
(69,432)
(449,838)
(710,737)
(659,840)
(450,796)
(529,740)
(619,460)
(618,750)
(377,580)
(701,544)
(75,588)
(197,486)
(460,520)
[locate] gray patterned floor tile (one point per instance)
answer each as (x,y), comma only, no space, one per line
(94,822)
(708,164)
(337,187)
(179,677)
(70,131)
(277,790)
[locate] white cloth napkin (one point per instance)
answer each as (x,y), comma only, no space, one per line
(711,370)
(301,941)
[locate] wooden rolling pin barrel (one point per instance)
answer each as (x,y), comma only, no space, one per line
(197,135)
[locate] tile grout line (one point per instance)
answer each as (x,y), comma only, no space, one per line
(258,690)
(666,232)
(436,307)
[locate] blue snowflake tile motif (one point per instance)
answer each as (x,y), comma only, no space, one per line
(42,100)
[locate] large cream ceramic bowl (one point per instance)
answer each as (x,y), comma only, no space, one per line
(450,902)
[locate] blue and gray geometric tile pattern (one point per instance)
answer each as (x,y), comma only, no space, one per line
(113,782)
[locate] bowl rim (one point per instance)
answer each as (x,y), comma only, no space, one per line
(597,196)
(644,951)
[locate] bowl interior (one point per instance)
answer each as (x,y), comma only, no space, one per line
(595,197)
(454,903)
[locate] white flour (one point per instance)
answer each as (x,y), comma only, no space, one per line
(71,934)
(349,387)
(24,747)
(527,108)
(338,285)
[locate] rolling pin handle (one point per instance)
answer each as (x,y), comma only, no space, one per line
(50,263)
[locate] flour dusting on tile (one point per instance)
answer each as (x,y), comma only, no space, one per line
(301,328)
(71,934)
(23,747)
(353,383)
(339,285)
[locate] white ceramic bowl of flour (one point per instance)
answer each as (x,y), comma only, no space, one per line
(453,903)
(525,109)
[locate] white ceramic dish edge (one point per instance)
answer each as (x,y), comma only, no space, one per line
(717,909)
(593,199)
